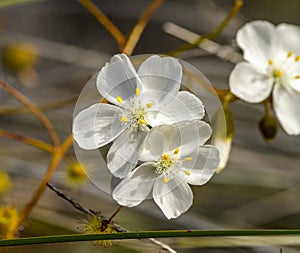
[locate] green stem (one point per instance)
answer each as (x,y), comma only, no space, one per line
(235,9)
(148,234)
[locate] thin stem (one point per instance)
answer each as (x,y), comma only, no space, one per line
(75,204)
(33,108)
(27,140)
(139,27)
(114,214)
(104,21)
(235,9)
(149,234)
(266,104)
(15,110)
(57,157)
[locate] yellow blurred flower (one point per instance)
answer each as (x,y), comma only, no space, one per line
(9,217)
(21,58)
(75,174)
(5,182)
(20,55)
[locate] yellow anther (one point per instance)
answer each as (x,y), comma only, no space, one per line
(166,157)
(277,73)
(119,99)
(176,151)
(142,121)
(123,119)
(188,159)
(270,62)
(137,91)
(289,54)
(149,105)
(297,58)
(166,180)
(187,172)
(297,77)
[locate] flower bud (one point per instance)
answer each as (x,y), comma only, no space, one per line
(268,127)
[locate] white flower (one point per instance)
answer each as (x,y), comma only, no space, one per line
(139,100)
(272,67)
(174,156)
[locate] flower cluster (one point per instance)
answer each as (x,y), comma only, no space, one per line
(156,132)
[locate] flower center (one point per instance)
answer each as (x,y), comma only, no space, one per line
(284,70)
(134,113)
(167,162)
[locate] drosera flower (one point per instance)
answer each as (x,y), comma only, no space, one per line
(139,101)
(97,225)
(173,157)
(271,68)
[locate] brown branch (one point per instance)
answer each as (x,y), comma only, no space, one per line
(139,27)
(58,154)
(27,140)
(104,21)
(33,108)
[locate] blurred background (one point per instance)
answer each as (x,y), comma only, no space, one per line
(50,49)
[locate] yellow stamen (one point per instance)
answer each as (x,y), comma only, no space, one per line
(270,62)
(176,151)
(137,91)
(166,180)
(119,99)
(123,119)
(187,172)
(149,105)
(297,77)
(142,121)
(277,73)
(188,159)
(289,54)
(297,58)
(166,157)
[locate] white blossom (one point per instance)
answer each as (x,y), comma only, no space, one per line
(271,68)
(173,157)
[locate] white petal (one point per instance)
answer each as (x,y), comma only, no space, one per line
(205,166)
(97,125)
(135,188)
(249,84)
(289,36)
(224,147)
(185,136)
(161,74)
(154,146)
(258,41)
(295,84)
(118,78)
(123,155)
(173,201)
(286,104)
(184,107)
